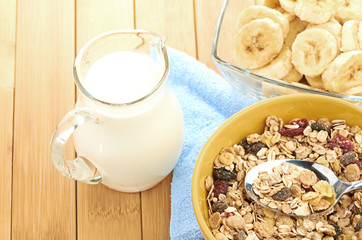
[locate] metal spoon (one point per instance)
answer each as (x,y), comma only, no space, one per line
(322,172)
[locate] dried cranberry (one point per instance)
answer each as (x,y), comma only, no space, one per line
(341,142)
(348,158)
(282,194)
(303,123)
(320,126)
(287,132)
(220,187)
(309,189)
(358,163)
(230,214)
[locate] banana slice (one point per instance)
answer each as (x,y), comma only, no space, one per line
(258,12)
(354,91)
(332,26)
(290,17)
(258,42)
(288,5)
(315,11)
(348,10)
(359,35)
(344,72)
(279,67)
(315,82)
(295,27)
(293,76)
(350,36)
(271,3)
(313,50)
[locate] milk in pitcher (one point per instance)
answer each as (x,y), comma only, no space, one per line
(154,124)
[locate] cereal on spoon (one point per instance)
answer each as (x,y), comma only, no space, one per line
(293,191)
(333,143)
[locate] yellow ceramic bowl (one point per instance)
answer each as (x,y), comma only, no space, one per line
(252,120)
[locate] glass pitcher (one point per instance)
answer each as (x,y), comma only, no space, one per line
(127,124)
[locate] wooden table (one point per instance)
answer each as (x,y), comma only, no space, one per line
(39,40)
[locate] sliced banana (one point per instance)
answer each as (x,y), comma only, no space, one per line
(258,12)
(315,82)
(348,10)
(332,26)
(345,72)
(258,42)
(295,27)
(354,91)
(359,36)
(293,76)
(288,5)
(313,50)
(315,11)
(279,67)
(271,3)
(350,36)
(290,17)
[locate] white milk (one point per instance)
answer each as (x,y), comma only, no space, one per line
(133,147)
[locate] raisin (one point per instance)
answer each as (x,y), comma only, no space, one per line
(358,226)
(282,194)
(341,142)
(252,147)
(287,132)
(220,187)
(319,127)
(222,173)
(337,230)
(255,147)
(219,206)
(348,158)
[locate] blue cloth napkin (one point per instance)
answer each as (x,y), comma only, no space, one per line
(207,101)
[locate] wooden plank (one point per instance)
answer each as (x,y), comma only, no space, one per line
(104,213)
(43,200)
(6,149)
(7,64)
(7,42)
(173,19)
(156,211)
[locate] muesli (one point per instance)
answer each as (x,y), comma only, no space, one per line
(293,191)
(333,143)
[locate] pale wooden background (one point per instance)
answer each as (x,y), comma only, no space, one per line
(38,43)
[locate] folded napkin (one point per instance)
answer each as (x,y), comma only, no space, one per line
(206,101)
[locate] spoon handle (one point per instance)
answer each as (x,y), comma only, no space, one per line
(353,186)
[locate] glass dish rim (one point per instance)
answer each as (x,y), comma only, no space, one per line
(219,61)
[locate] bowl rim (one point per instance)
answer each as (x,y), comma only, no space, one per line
(195,195)
(219,61)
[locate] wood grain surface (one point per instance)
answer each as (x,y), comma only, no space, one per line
(39,42)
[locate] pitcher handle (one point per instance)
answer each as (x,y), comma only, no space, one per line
(80,169)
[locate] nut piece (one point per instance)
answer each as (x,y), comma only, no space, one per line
(264,229)
(208,183)
(307,177)
(215,220)
(235,222)
(352,172)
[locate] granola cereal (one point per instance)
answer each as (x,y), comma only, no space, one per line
(331,142)
(318,195)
